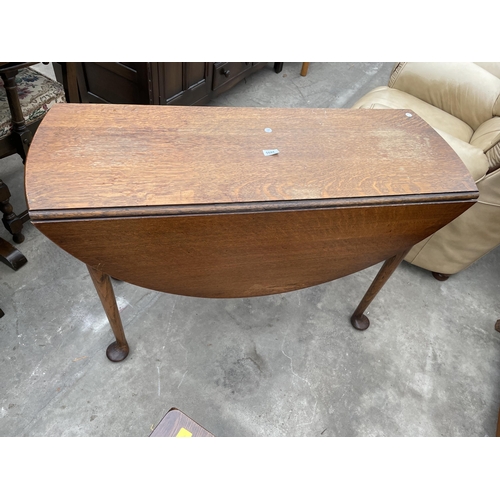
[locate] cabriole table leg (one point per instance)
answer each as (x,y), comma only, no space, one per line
(358,319)
(117,351)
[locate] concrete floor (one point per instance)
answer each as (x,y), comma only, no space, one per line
(283,365)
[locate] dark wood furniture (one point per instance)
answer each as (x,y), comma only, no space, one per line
(16,133)
(12,144)
(184,200)
(9,254)
(174,83)
(16,142)
(177,424)
(18,139)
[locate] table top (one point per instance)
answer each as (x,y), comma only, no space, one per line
(93,157)
(183,200)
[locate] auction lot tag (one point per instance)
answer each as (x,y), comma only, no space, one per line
(270,152)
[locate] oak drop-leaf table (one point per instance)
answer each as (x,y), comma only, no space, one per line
(238,202)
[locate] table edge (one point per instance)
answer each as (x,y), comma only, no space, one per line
(249,207)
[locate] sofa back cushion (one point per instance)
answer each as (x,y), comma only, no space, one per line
(467,91)
(491,67)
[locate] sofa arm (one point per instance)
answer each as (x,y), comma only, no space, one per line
(487,138)
(474,158)
(464,90)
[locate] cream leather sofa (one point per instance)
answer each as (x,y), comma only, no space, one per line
(461,101)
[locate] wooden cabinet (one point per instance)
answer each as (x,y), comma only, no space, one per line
(183,83)
(174,83)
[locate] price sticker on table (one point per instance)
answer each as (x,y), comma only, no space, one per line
(184,433)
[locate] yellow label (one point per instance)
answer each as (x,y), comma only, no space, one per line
(183,433)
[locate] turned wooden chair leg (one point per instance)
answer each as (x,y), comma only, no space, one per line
(11,221)
(22,136)
(118,350)
(20,132)
(11,255)
(358,319)
(304,69)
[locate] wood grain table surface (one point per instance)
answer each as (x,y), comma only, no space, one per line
(109,156)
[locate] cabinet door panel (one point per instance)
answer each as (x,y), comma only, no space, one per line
(172,79)
(185,83)
(114,82)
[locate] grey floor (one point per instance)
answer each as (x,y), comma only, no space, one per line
(283,365)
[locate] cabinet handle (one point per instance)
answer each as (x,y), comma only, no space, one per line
(225,72)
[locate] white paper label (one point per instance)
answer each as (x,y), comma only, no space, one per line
(270,152)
